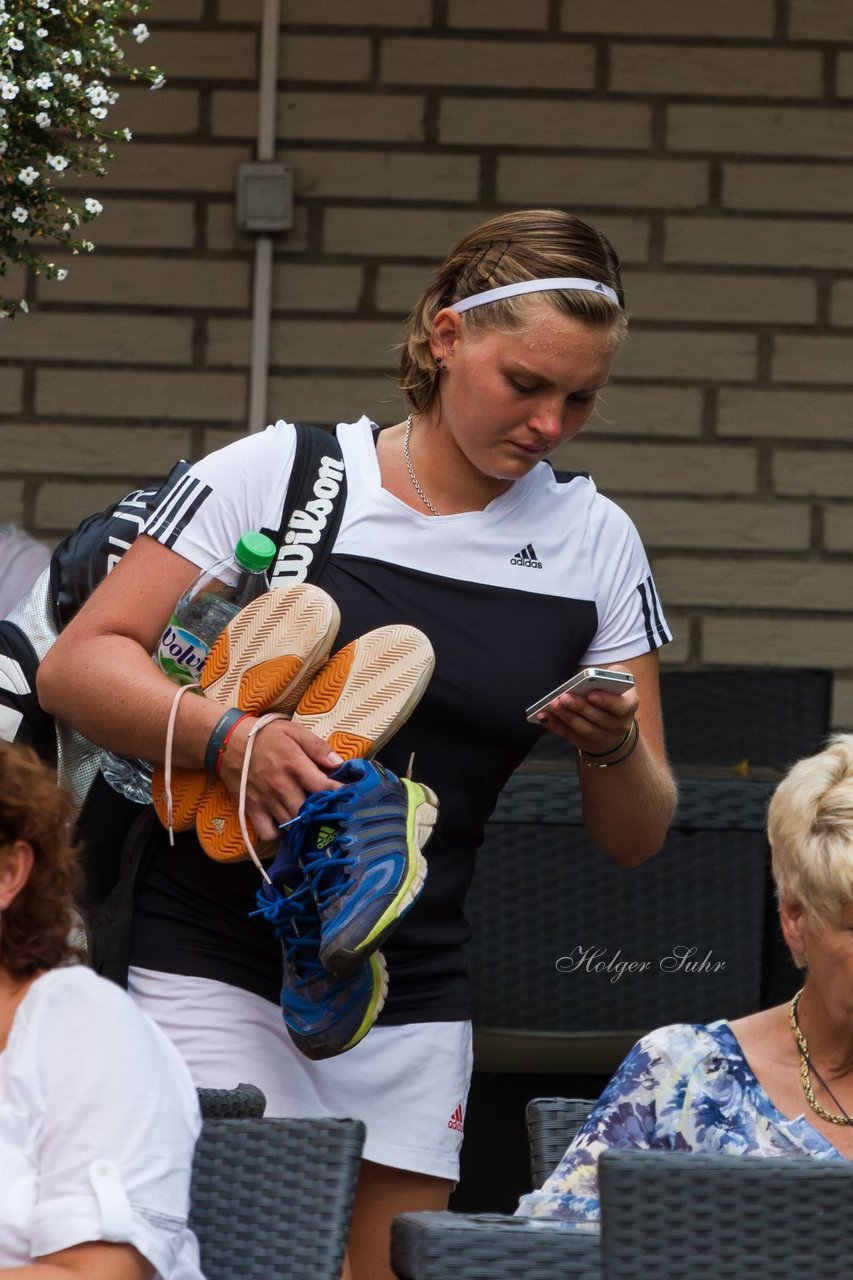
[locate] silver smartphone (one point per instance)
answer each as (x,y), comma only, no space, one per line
(584,682)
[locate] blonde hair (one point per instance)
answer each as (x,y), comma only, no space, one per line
(810,828)
(531,244)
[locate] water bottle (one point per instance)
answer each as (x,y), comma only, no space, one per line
(203,611)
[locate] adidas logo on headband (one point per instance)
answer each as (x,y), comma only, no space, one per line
(535,286)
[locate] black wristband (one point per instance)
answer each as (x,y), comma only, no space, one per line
(216,741)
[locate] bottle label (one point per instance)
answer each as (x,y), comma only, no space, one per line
(181,654)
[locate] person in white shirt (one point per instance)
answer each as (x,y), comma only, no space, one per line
(98,1115)
(22,559)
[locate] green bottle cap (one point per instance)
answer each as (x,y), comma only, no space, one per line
(254,551)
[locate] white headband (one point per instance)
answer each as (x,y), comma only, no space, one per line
(535,286)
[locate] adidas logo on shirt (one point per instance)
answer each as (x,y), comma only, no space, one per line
(455,1121)
(527,558)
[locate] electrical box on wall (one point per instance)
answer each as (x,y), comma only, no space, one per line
(265,196)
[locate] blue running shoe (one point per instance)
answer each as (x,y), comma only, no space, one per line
(324,1015)
(360,848)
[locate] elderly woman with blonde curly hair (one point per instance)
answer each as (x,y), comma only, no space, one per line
(98,1116)
(775,1083)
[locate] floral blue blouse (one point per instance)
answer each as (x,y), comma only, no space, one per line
(681,1088)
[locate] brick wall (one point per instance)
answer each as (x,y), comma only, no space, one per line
(711,142)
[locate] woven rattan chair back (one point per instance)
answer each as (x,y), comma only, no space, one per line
(551,1125)
(487,1246)
(243,1102)
(272,1198)
(674,1214)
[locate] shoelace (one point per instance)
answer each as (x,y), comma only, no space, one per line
(259,724)
(297,907)
(244,775)
(170,738)
(323,868)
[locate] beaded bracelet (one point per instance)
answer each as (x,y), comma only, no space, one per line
(594,764)
(218,740)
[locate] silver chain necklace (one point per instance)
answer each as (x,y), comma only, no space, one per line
(411,470)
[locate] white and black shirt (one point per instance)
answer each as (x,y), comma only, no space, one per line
(549,577)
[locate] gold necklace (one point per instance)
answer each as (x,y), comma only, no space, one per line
(802,1045)
(411,470)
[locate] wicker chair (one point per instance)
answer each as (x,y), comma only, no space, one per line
(469,1246)
(551,1125)
(672,1214)
(542,884)
(548,1003)
(246,1101)
(272,1198)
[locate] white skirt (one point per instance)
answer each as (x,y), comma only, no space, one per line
(409,1084)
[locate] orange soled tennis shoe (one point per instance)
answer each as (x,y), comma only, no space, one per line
(262,661)
(356,701)
(367,690)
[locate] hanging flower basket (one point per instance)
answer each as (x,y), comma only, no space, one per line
(58,59)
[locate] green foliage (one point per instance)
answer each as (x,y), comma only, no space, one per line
(57,58)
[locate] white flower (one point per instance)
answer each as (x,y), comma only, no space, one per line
(158,82)
(64,88)
(24,305)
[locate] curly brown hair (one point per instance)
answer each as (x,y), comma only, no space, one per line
(34,931)
(527,244)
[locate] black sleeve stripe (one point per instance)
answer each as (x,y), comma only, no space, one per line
(663,637)
(180,508)
(187,515)
(162,517)
(647,617)
(656,633)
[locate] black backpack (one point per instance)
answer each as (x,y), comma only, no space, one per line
(111,830)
